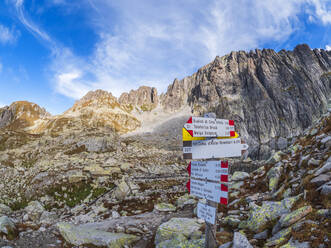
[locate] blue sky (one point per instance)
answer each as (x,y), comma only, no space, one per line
(54,51)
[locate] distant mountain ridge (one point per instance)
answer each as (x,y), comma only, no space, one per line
(268,94)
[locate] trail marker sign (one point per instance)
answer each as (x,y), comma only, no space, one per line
(187,136)
(208,170)
(213,148)
(212,191)
(209,127)
(208,213)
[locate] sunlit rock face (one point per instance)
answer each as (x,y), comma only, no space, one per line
(268,94)
(21,115)
(145,99)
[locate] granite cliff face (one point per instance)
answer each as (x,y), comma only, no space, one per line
(268,94)
(145,98)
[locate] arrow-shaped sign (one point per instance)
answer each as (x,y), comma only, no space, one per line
(209,170)
(209,127)
(213,148)
(188,137)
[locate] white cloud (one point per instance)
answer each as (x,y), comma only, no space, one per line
(152,42)
(322,10)
(328,47)
(7,35)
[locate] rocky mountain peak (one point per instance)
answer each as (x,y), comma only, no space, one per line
(269,94)
(145,98)
(21,115)
(96,99)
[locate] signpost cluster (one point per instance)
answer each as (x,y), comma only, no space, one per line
(210,139)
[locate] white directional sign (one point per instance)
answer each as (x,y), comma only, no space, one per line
(215,192)
(209,127)
(213,148)
(206,212)
(211,170)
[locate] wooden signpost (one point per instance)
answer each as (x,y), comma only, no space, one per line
(210,138)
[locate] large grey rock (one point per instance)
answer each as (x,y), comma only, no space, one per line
(165,207)
(7,227)
(261,235)
(239,176)
(287,220)
(177,228)
(34,210)
(79,236)
(325,189)
(321,179)
(5,210)
(325,168)
(97,144)
(259,217)
(240,241)
(296,244)
(178,243)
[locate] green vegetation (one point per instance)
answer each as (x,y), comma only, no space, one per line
(74,194)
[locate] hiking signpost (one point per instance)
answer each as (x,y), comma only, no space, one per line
(210,139)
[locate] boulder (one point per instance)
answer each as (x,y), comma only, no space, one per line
(5,210)
(325,189)
(79,236)
(230,220)
(279,238)
(313,162)
(261,235)
(325,168)
(165,207)
(97,170)
(182,243)
(122,190)
(34,210)
(177,228)
(274,176)
(259,217)
(287,220)
(296,244)
(8,228)
(240,241)
(185,200)
(321,179)
(96,144)
(239,176)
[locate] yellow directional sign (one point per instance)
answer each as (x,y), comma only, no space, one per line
(188,137)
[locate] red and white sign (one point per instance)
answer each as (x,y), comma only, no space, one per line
(212,191)
(213,148)
(210,170)
(209,127)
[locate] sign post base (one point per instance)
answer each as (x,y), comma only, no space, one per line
(211,241)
